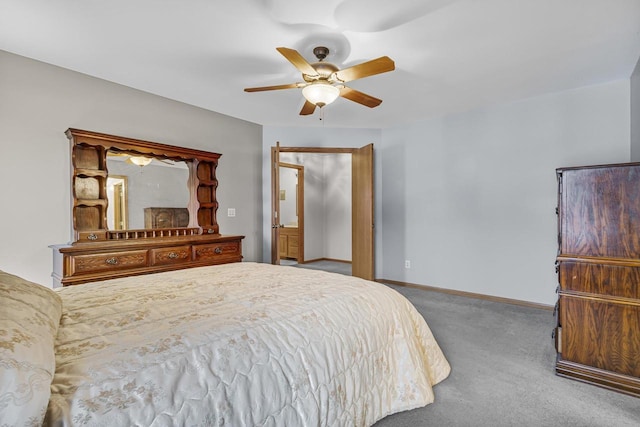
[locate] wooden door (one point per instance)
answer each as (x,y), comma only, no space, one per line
(362,242)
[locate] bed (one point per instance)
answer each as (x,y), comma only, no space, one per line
(240,344)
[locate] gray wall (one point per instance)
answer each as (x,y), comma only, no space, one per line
(337,173)
(635,114)
(38,102)
(470,198)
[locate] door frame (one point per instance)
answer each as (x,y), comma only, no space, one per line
(275,204)
(363,240)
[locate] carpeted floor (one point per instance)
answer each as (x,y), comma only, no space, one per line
(325,265)
(502,360)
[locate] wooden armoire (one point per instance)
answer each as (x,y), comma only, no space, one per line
(598,264)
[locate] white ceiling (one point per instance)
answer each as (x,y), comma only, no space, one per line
(450,55)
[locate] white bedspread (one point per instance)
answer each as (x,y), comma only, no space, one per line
(240,344)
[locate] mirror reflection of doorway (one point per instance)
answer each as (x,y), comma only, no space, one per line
(291,198)
(117,212)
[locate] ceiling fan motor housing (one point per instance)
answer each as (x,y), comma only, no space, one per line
(324,70)
(321,52)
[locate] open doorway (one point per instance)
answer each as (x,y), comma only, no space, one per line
(326,199)
(118,208)
(292,218)
(359,217)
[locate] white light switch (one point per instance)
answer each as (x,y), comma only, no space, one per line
(231,212)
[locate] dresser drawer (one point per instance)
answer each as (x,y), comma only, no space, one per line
(91,236)
(601,279)
(216,251)
(172,255)
(83,264)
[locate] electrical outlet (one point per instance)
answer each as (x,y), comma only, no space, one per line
(231,212)
(407,263)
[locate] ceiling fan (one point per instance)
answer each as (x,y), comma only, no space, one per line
(324,82)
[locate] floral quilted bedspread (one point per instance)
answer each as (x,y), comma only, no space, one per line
(242,344)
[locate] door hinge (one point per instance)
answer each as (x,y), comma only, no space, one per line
(560,183)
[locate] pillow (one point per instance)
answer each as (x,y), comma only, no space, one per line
(29,319)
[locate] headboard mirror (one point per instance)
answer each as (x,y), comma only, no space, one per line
(124,188)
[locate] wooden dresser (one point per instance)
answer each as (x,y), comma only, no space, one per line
(172,238)
(598,264)
(87,262)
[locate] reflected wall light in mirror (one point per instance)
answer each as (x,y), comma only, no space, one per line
(140,160)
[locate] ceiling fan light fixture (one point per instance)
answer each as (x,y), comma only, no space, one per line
(320,93)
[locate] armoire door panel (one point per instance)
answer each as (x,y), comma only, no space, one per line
(602,215)
(601,334)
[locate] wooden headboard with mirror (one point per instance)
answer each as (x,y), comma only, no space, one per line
(178,186)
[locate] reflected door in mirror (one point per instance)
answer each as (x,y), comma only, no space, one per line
(117,209)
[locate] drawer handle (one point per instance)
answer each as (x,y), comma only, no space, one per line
(218,250)
(111,261)
(173,255)
(92,236)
